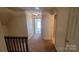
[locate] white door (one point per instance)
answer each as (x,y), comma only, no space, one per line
(72,35)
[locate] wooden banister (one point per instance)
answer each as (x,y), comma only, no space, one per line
(16,44)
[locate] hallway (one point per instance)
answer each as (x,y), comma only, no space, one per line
(36,44)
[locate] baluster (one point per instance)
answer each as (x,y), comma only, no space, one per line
(16,44)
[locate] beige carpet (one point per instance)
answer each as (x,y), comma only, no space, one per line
(37,44)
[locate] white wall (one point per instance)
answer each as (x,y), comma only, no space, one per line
(62,18)
(17,25)
(5,30)
(45,34)
(47,26)
(52,27)
(30,24)
(2,42)
(4,17)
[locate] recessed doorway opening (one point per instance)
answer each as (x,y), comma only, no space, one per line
(37,25)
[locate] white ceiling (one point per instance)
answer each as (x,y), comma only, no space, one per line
(31,8)
(8,12)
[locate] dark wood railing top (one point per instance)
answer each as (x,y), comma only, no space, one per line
(15,37)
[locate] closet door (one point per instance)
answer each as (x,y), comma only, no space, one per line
(72,34)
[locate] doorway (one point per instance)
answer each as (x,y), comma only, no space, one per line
(37,26)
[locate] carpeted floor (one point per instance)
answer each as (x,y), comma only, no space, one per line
(37,44)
